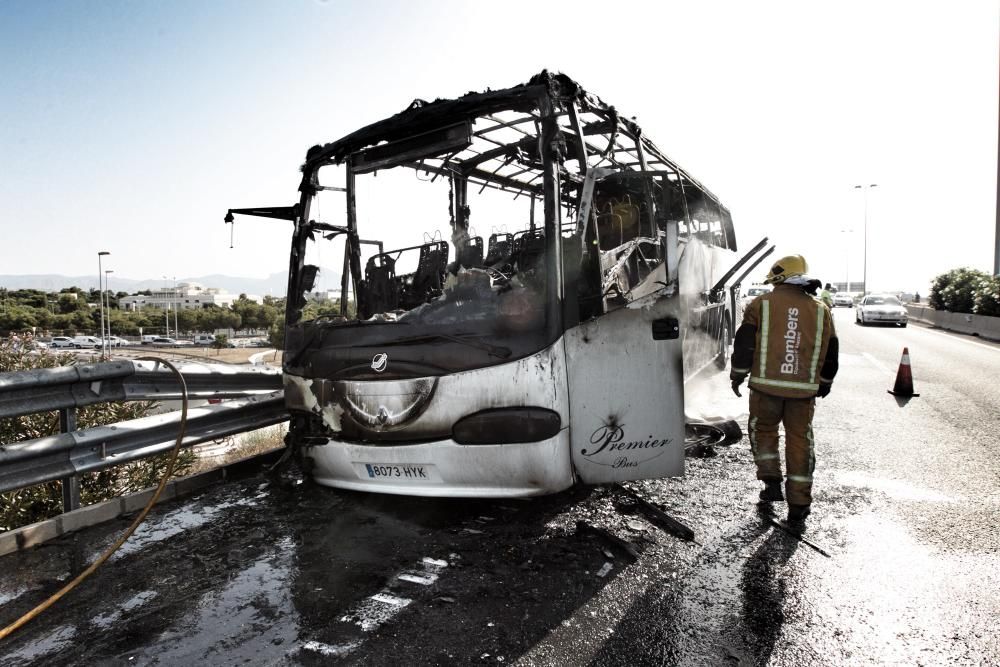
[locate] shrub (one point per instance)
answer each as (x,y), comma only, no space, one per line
(987,300)
(24,506)
(955,290)
(221,341)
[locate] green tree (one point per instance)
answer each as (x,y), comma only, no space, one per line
(276,301)
(276,335)
(70,303)
(220,318)
(247,310)
(17,318)
(189,319)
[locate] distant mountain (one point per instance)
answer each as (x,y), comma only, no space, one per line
(274,285)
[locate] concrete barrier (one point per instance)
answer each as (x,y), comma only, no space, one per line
(967,323)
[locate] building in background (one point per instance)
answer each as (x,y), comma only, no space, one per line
(185,295)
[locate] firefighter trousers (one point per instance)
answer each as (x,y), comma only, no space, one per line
(766,413)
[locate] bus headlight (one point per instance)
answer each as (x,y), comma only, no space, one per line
(506,425)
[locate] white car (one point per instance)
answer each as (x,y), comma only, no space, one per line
(843,299)
(62,341)
(88,341)
(880,309)
(115,341)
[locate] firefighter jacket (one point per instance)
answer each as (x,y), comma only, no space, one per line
(786,343)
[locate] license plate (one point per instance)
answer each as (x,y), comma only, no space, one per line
(398,472)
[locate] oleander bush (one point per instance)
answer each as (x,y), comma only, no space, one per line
(966,290)
(987,299)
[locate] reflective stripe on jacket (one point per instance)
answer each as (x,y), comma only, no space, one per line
(793,332)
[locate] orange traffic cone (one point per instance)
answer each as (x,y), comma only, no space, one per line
(904,378)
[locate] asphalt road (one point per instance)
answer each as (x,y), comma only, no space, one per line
(906,503)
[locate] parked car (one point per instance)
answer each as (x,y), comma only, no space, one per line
(757,290)
(753,292)
(88,341)
(880,309)
(843,299)
(62,341)
(162,341)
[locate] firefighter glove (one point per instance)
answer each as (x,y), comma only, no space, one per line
(737,379)
(824,389)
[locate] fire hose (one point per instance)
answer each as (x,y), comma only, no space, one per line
(24,619)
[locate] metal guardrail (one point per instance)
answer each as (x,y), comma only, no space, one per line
(72,452)
(45,389)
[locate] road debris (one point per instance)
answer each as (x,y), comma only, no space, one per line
(797,534)
(658,517)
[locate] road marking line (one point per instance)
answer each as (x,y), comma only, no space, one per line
(385,598)
(418,579)
(876,363)
(330,650)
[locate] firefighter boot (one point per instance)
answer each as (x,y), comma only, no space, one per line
(797,514)
(772,491)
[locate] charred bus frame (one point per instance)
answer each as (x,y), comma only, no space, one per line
(602,252)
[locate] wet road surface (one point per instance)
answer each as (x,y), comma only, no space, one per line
(906,502)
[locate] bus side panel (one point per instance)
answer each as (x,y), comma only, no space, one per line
(626,395)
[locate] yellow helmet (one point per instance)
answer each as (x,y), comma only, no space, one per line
(785,268)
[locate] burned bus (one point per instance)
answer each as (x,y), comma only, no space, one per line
(521,283)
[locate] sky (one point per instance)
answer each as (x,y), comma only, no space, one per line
(132,127)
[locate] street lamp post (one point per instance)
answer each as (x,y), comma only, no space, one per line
(107,286)
(177,330)
(864,279)
(166,309)
(100,288)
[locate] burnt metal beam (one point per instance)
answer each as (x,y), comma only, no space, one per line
(485,176)
(276,212)
(499,151)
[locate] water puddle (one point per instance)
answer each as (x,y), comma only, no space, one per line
(106,621)
(253,619)
(56,640)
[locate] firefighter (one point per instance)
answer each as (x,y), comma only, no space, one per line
(826,297)
(788,347)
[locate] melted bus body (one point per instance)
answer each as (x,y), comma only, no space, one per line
(515,285)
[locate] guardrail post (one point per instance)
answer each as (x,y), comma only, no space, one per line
(71,484)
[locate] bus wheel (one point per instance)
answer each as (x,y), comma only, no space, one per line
(723,356)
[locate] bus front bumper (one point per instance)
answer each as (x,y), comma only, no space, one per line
(446,468)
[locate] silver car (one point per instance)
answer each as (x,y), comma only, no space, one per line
(880,309)
(843,299)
